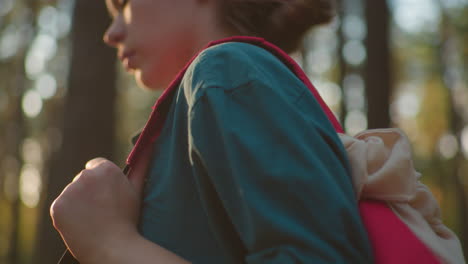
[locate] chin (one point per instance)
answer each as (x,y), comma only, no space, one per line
(150,82)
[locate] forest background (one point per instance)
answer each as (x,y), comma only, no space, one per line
(65,100)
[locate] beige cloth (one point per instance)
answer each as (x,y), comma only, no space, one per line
(382,169)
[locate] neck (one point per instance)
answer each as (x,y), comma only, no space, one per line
(209,27)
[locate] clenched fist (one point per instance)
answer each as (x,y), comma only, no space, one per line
(98,212)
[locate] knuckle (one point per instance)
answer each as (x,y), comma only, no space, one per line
(109,164)
(86,175)
(57,209)
(106,164)
(110,168)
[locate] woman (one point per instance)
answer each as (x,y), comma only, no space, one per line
(245,169)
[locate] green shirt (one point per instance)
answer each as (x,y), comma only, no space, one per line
(248,169)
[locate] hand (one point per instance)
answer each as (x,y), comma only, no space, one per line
(98,211)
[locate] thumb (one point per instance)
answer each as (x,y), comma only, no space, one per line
(137,174)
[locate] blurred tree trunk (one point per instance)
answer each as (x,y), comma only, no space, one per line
(16,133)
(88,125)
(445,53)
(378,68)
(343,67)
(15,136)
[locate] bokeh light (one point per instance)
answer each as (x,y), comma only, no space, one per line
(354,52)
(448,146)
(319,61)
(46,85)
(32,151)
(354,28)
(407,105)
(35,64)
(330,92)
(65,10)
(32,103)
(48,20)
(416,15)
(42,50)
(30,186)
(353,85)
(9,42)
(355,122)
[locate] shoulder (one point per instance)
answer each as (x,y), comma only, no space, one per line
(232,65)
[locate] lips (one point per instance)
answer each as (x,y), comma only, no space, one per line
(128,60)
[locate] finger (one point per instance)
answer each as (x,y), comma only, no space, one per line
(94,162)
(102,167)
(77,176)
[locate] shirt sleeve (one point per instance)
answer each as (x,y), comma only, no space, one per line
(279,173)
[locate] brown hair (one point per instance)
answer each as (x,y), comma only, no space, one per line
(282,22)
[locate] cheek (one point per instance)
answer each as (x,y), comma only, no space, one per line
(162,54)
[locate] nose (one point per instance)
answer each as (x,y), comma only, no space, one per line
(115,34)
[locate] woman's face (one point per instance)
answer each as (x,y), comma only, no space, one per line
(155,38)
